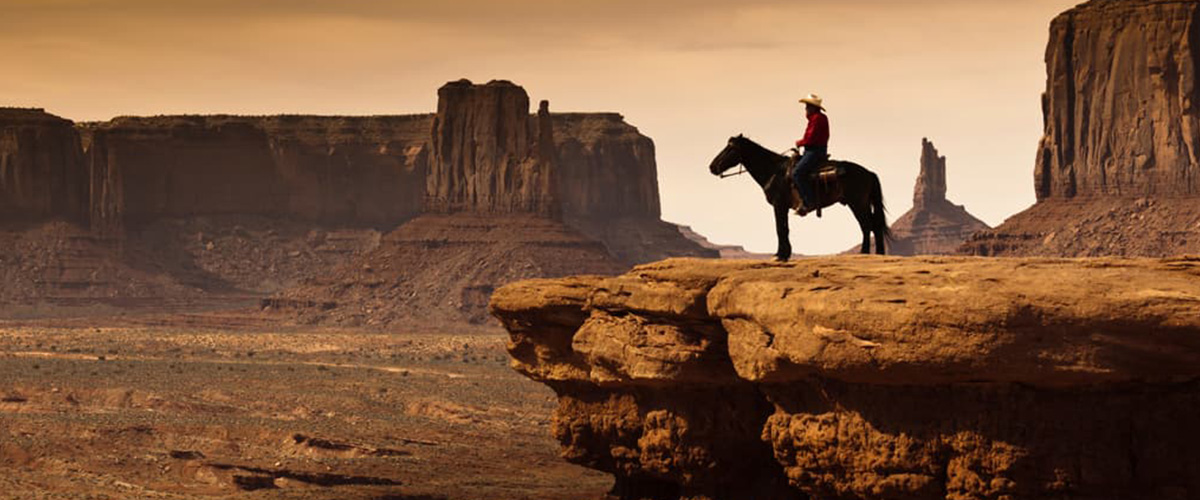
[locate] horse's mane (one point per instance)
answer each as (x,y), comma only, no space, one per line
(751,147)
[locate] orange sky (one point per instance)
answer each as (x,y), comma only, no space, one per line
(965,73)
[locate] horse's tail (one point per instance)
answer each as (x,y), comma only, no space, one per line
(878,210)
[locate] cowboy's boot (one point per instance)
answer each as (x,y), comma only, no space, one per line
(802,208)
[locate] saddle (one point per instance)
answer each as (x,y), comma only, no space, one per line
(826,181)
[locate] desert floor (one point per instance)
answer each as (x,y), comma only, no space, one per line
(219,405)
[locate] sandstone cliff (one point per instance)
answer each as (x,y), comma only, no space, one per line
(233,204)
(877,378)
(357,171)
(1120,103)
(607,169)
(486,152)
(1117,170)
(513,196)
(608,187)
(481,153)
(42,171)
(934,225)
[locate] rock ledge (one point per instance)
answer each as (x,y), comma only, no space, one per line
(873,377)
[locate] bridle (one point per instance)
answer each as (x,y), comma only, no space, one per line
(741,170)
(742,167)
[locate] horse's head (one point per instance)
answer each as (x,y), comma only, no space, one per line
(729,157)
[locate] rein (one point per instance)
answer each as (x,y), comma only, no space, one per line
(741,170)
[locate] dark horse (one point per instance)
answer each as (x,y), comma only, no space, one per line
(860,190)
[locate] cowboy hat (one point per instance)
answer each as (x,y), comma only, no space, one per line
(813,99)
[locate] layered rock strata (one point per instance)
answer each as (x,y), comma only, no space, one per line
(607,169)
(877,378)
(229,203)
(42,169)
(488,154)
(1120,102)
(934,225)
(1094,227)
(442,268)
(363,171)
(482,152)
(1121,135)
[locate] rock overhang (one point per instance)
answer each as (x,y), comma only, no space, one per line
(887,320)
(872,377)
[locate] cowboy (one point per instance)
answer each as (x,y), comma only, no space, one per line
(816,147)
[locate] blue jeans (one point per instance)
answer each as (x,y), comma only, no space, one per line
(807,164)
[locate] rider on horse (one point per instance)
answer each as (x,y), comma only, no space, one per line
(816,148)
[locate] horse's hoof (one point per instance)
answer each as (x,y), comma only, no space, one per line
(779,259)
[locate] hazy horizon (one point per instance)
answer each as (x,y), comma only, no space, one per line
(966,74)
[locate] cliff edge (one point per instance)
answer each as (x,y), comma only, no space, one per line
(873,377)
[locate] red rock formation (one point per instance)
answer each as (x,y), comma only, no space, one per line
(335,170)
(1117,170)
(934,225)
(931,181)
(183,195)
(442,268)
(607,168)
(42,172)
(873,378)
(486,153)
(1121,110)
(726,251)
(1094,227)
(608,185)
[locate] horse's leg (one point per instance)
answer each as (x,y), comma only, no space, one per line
(874,207)
(863,215)
(879,224)
(781,231)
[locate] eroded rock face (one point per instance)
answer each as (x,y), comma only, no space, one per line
(1117,170)
(486,152)
(869,377)
(1094,227)
(931,181)
(608,168)
(186,197)
(934,226)
(42,172)
(1120,103)
(608,185)
(334,170)
(442,269)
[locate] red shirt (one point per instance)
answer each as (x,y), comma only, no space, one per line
(817,134)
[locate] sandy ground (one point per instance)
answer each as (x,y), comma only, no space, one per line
(227,407)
